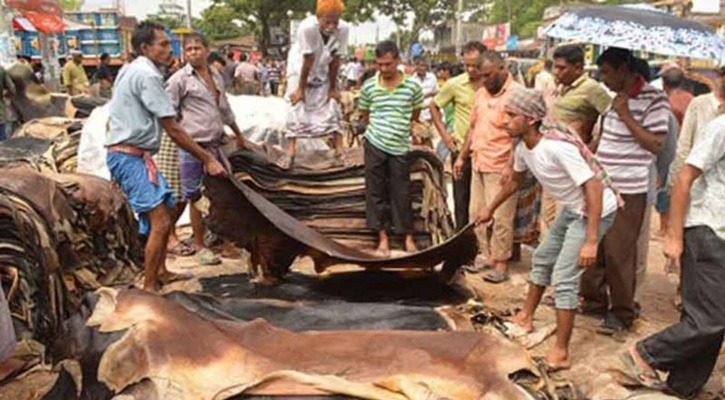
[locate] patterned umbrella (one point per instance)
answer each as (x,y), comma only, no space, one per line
(640,30)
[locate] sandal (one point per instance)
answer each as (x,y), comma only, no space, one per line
(647,378)
(181,250)
(207,257)
(495,276)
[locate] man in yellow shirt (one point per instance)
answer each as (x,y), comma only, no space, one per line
(459,92)
(75,79)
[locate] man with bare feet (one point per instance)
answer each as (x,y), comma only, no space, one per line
(390,102)
(139,109)
(688,350)
(566,168)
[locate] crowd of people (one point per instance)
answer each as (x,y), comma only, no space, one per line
(605,152)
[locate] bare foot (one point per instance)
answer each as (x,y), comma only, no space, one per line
(167,277)
(410,246)
(524,321)
(383,251)
(153,287)
(557,360)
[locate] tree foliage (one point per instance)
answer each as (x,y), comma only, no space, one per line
(525,16)
(219,22)
(71,5)
(167,22)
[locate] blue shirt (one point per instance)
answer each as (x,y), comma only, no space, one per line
(138,101)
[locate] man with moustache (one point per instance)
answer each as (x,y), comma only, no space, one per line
(197,94)
(139,110)
(490,147)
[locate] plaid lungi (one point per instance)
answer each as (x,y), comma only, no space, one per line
(526,222)
(167,161)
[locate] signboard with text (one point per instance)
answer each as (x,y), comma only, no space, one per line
(495,36)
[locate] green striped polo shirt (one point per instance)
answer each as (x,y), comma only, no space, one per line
(390,113)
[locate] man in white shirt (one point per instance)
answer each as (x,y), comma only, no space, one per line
(312,84)
(423,132)
(566,169)
(688,350)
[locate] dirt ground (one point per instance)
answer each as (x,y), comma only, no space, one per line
(593,355)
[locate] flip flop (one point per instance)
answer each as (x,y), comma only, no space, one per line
(495,276)
(181,250)
(207,257)
(647,378)
(171,277)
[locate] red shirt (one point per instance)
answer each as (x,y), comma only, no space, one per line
(679,100)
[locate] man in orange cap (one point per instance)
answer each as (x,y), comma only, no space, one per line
(313,64)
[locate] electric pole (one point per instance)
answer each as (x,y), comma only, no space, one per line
(459,27)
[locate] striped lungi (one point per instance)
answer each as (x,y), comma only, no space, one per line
(526,222)
(167,161)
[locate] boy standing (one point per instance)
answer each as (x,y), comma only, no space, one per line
(389,102)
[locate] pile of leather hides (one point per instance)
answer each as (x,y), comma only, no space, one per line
(329,196)
(61,235)
(153,347)
(63,136)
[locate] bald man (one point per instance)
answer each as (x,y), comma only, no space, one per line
(314,61)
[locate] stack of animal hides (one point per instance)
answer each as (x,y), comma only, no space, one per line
(60,236)
(329,195)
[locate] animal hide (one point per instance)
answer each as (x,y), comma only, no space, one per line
(202,358)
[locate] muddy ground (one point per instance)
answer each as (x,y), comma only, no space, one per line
(592,354)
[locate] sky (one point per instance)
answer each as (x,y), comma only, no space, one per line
(360,34)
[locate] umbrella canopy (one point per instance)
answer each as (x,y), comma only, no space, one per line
(639,29)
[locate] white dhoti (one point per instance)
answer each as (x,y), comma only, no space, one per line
(316,116)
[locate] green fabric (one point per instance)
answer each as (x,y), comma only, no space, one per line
(390,113)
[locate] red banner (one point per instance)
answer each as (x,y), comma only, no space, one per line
(44,22)
(41,6)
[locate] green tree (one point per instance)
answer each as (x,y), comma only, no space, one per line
(257,16)
(525,16)
(219,22)
(167,22)
(71,5)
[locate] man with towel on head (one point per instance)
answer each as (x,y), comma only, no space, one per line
(566,168)
(314,61)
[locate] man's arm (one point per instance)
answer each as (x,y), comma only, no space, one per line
(307,61)
(507,190)
(593,195)
(184,141)
(437,118)
(651,141)
(678,211)
(415,116)
(67,80)
(684,143)
(241,140)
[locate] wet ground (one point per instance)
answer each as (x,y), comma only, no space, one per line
(593,355)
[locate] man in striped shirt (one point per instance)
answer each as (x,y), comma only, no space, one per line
(389,102)
(633,132)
